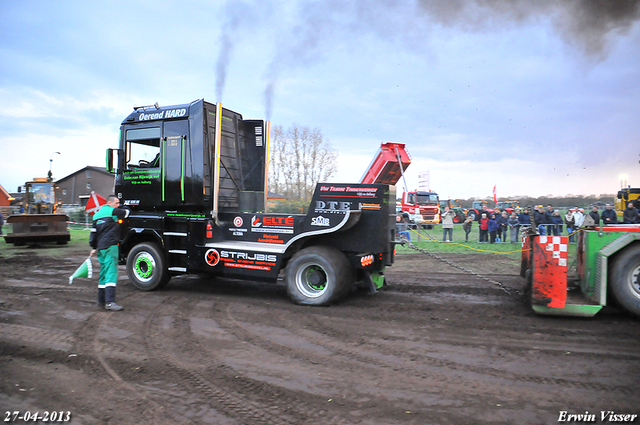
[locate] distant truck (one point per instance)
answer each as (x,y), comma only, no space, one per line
(194,177)
(423,207)
(41,221)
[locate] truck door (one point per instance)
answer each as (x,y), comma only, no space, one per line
(141,174)
(174,145)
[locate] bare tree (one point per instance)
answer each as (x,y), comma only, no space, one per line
(300,157)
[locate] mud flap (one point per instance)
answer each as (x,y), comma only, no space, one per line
(374,280)
(549,271)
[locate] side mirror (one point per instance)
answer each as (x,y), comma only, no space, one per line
(111,167)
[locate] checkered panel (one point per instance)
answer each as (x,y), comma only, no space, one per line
(559,247)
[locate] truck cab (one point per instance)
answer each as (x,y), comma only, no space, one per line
(423,207)
(194,178)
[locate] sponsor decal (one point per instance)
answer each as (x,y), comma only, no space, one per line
(141,176)
(185,215)
(170,113)
(270,239)
(320,221)
(237,221)
(248,260)
(239,255)
(332,207)
(248,266)
(237,232)
(351,191)
(212,257)
(131,202)
(272,224)
(366,206)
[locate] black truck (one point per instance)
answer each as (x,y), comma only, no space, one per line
(194,177)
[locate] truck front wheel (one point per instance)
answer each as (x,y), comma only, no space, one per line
(318,276)
(146,267)
(625,283)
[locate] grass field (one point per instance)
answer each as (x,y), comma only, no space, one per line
(79,242)
(432,240)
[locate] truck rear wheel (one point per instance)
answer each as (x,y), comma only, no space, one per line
(318,276)
(625,280)
(146,267)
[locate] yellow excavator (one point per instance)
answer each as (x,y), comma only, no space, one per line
(626,195)
(40,221)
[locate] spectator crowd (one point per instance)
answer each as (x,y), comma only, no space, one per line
(501,226)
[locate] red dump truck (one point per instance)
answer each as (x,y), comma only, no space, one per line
(388,166)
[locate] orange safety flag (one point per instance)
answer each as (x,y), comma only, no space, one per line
(495,197)
(94,203)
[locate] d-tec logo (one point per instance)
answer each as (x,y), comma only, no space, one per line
(212,257)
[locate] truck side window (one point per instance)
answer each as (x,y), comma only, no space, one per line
(411,200)
(143,147)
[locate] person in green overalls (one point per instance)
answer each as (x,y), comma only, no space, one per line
(105,235)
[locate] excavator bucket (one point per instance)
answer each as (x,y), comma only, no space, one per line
(28,228)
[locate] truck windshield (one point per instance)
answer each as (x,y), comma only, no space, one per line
(427,199)
(143,147)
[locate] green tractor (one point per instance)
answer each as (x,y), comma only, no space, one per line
(608,271)
(456,206)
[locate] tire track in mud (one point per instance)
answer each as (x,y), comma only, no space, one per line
(222,388)
(336,335)
(307,407)
(384,357)
(87,342)
(620,350)
(353,360)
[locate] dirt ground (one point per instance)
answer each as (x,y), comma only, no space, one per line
(437,347)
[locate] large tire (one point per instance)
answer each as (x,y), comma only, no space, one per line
(625,280)
(146,267)
(318,276)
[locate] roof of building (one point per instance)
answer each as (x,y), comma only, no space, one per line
(5,193)
(102,170)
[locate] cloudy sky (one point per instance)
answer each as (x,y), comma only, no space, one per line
(536,97)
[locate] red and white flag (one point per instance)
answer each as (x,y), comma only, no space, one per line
(495,197)
(94,203)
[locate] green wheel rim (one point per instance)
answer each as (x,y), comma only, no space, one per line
(144,266)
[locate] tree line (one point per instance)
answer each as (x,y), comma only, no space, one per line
(556,201)
(300,157)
